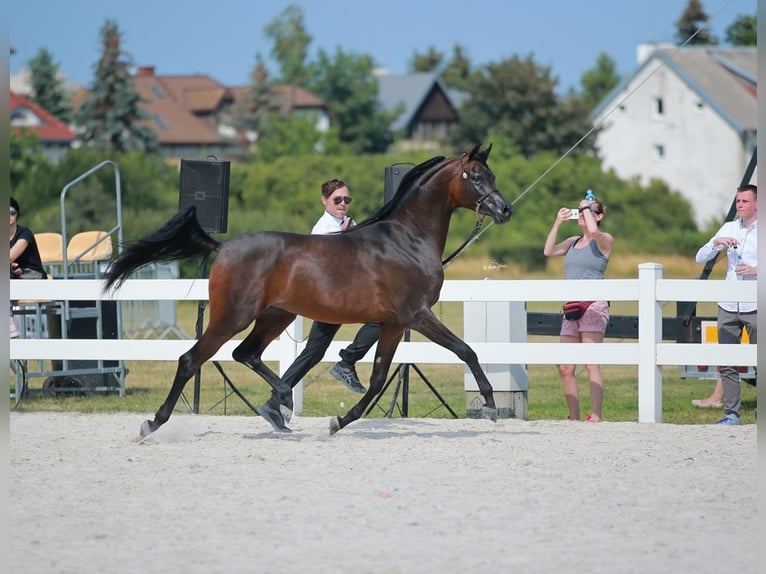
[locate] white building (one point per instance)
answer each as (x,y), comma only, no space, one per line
(687,116)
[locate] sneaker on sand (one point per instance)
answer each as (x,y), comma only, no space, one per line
(14,333)
(730,419)
(347,376)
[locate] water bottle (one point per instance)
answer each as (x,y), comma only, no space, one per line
(589,195)
(739,261)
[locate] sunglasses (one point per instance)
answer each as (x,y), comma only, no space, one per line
(14,212)
(337,200)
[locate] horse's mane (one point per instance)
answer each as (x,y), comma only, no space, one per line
(407,184)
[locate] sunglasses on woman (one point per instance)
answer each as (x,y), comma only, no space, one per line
(346,199)
(14,212)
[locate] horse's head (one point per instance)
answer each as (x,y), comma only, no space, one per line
(476,186)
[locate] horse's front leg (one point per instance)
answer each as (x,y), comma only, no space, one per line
(390,335)
(427,324)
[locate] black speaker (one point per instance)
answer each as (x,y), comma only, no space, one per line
(205,184)
(394,175)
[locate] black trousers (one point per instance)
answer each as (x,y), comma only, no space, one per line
(319,339)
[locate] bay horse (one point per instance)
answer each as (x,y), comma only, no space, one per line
(386,270)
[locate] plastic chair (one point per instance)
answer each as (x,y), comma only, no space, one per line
(89,246)
(51,247)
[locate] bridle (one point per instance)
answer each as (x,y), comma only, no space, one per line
(479,219)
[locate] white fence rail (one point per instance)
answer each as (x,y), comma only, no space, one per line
(649,352)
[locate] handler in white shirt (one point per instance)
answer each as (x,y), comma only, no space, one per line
(740,239)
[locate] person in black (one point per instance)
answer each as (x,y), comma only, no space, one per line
(24,256)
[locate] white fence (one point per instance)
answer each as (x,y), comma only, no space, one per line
(649,352)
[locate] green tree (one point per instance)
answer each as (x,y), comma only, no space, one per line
(454,73)
(347,84)
(457,71)
(47,90)
(291,42)
(517,98)
(743,31)
(111,117)
(293,136)
(431,61)
(252,111)
(692,26)
(598,81)
(25,155)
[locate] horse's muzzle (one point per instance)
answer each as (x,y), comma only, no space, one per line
(497,208)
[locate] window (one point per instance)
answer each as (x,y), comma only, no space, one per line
(161,123)
(659,108)
(659,151)
(157,91)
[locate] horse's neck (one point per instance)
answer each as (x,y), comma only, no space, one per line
(429,213)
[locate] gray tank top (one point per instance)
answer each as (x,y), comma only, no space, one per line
(585,263)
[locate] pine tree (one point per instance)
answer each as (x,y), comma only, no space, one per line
(252,113)
(112,118)
(694,18)
(47,90)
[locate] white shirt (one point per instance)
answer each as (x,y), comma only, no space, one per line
(746,252)
(328,224)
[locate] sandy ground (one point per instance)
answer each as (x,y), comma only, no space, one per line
(224,494)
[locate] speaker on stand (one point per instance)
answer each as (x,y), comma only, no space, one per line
(205,185)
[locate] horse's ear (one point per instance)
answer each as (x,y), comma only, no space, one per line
(474,151)
(481,155)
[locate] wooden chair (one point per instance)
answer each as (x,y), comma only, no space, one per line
(51,247)
(89,246)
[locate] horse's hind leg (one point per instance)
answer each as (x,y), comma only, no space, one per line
(188,364)
(384,354)
(267,327)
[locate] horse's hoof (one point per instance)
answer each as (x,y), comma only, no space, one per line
(286,412)
(147,428)
(273,417)
(334,425)
(489,413)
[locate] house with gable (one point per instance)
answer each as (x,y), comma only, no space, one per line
(55,136)
(688,117)
(428,109)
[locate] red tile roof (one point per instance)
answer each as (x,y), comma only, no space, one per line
(50,129)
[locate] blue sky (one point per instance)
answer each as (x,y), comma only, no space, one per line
(220,38)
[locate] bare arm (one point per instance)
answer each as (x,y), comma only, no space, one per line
(18,249)
(552,248)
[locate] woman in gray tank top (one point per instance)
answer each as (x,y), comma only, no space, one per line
(585,257)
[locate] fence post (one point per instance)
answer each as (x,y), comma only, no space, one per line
(649,336)
(497,322)
(288,350)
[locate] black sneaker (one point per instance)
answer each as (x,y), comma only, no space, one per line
(347,376)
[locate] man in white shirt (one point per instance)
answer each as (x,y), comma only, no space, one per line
(335,219)
(740,239)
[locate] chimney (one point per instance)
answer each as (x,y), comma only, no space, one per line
(146,71)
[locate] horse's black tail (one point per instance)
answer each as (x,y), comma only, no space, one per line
(181,237)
